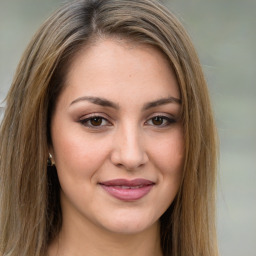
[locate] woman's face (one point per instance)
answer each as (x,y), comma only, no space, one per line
(116,138)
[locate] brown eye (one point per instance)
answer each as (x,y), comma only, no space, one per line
(96,121)
(160,121)
(157,120)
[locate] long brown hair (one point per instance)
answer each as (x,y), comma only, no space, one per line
(30,209)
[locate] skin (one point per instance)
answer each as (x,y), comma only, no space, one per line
(126,141)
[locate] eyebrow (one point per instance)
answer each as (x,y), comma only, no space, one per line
(161,102)
(106,103)
(96,100)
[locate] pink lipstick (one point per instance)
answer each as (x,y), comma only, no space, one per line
(128,190)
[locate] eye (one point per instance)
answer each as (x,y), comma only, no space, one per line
(95,122)
(160,121)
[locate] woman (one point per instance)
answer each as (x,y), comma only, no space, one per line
(108,141)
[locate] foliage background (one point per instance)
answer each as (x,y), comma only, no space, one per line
(224,33)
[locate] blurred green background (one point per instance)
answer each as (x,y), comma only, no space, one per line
(224,34)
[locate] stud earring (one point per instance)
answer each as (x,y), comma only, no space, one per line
(50,161)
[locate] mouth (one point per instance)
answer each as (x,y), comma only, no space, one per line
(127,190)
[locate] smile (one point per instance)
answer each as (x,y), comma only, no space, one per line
(127,190)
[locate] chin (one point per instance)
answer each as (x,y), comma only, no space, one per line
(130,224)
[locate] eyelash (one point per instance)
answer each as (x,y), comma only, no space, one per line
(87,122)
(167,120)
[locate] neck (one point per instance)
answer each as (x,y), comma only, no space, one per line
(79,240)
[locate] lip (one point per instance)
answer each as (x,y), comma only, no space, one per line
(127,190)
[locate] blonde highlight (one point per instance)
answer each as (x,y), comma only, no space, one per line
(29,189)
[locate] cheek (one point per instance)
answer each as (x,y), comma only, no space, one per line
(169,153)
(77,154)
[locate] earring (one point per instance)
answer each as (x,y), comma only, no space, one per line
(50,161)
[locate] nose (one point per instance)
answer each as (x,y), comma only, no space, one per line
(128,149)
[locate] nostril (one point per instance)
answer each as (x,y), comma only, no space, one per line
(129,161)
(128,148)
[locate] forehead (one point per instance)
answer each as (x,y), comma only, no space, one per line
(113,67)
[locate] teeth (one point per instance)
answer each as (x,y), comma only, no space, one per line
(133,187)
